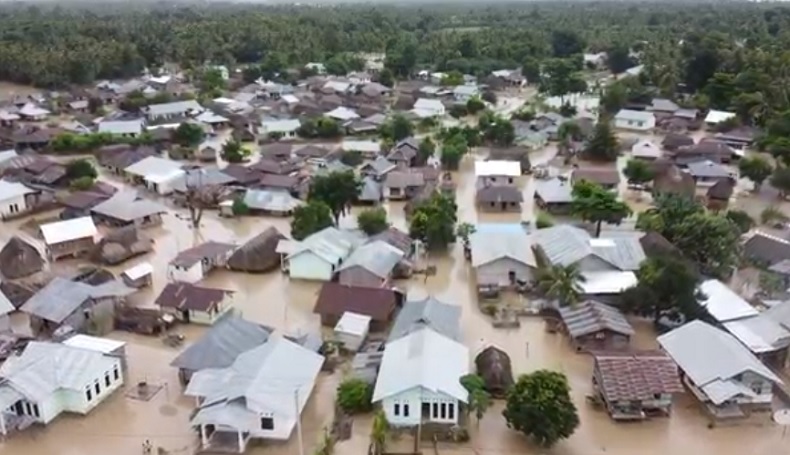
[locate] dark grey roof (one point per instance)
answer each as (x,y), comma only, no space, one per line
(554,191)
(222,343)
(499,193)
(428,312)
(61,297)
(564,245)
(380,165)
(766,248)
(708,169)
(202,178)
(592,316)
(371,190)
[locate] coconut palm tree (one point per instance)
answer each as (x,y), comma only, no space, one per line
(378,433)
(562,283)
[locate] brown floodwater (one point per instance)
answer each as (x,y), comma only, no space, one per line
(120,425)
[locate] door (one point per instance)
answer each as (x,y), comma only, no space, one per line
(18,408)
(185,315)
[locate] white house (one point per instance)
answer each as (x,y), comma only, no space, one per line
(352,329)
(320,255)
(69,237)
(719,370)
(497,172)
(155,173)
(261,395)
(715,117)
(628,119)
(419,379)
(646,150)
(47,379)
(425,108)
(193,264)
(285,127)
(12,198)
(172,110)
(126,128)
(723,304)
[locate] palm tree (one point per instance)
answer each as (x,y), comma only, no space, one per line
(378,433)
(561,283)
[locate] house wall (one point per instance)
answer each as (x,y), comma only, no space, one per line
(498,272)
(602,340)
(189,275)
(13,205)
(413,399)
(634,125)
(69,248)
(758,384)
(351,341)
(492,180)
(308,266)
(208,317)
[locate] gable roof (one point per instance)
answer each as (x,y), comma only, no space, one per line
(380,166)
(603,175)
(766,248)
(187,296)
(423,358)
(335,299)
(276,200)
(73,229)
(61,297)
(713,359)
(377,257)
(222,343)
(154,167)
(636,116)
(630,376)
(121,126)
(499,193)
(565,244)
(724,304)
(176,107)
(592,316)
(127,206)
(554,191)
(331,244)
(440,317)
(707,169)
(9,190)
(488,246)
(192,256)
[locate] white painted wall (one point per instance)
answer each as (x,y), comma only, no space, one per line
(12,205)
(634,125)
(412,400)
(309,266)
(190,275)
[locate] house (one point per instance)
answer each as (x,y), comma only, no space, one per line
(351,330)
(463,93)
(279,128)
(403,184)
(628,119)
(368,149)
(371,264)
(663,106)
(47,379)
(497,172)
(595,326)
(126,208)
(123,128)
(398,239)
(499,198)
(419,379)
(738,138)
(72,237)
(76,305)
(715,117)
(230,336)
(271,201)
(404,152)
(319,256)
(674,141)
(377,168)
(33,113)
(606,176)
(287,183)
(118,157)
(14,198)
(719,371)
(766,335)
(212,119)
(261,395)
(634,385)
(706,173)
(416,314)
(177,109)
(202,179)
(189,303)
(428,108)
(18,259)
(138,276)
(342,114)
(766,250)
(312,153)
(379,304)
(193,264)
(706,149)
(371,191)
(722,303)
(519,154)
(646,150)
(156,174)
(554,195)
(502,257)
(565,245)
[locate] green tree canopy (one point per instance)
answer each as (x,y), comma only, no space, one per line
(780,180)
(397,128)
(373,221)
(638,171)
(355,396)
(433,221)
(594,204)
(309,219)
(338,190)
(81,168)
(234,152)
(561,283)
(756,169)
(603,145)
(188,135)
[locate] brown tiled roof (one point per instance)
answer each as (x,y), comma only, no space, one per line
(608,175)
(396,238)
(636,375)
(185,296)
(312,151)
(192,256)
(335,299)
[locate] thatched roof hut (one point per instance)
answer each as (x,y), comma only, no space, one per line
(258,255)
(493,365)
(17,293)
(121,245)
(19,259)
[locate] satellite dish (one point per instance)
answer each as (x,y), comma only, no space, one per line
(782,417)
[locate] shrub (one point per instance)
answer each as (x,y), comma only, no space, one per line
(82,183)
(240,207)
(543,221)
(354,396)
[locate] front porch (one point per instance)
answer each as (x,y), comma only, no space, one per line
(222,440)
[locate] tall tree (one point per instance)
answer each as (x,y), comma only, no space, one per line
(756,169)
(338,190)
(618,59)
(539,405)
(780,180)
(373,221)
(561,283)
(594,204)
(565,43)
(603,145)
(234,152)
(638,171)
(479,399)
(426,150)
(188,135)
(309,219)
(433,221)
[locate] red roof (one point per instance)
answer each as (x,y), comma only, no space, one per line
(335,299)
(636,375)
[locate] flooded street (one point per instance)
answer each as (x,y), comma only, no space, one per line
(120,425)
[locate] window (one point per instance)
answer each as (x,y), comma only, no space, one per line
(600,336)
(396,409)
(28,409)
(88,394)
(267,423)
(656,396)
(107,379)
(115,373)
(451,411)
(435,412)
(444,410)
(97,387)
(406,410)
(35,411)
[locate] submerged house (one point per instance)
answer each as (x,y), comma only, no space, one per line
(193,264)
(47,379)
(19,259)
(126,208)
(190,303)
(379,304)
(502,258)
(72,237)
(320,255)
(260,396)
(371,264)
(594,326)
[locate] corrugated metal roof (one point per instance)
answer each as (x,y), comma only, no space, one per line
(61,297)
(489,246)
(63,231)
(554,191)
(724,304)
(428,312)
(127,206)
(591,316)
(565,245)
(330,244)
(377,257)
(9,190)
(271,200)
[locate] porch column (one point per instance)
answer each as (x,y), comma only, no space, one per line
(2,423)
(241,441)
(203,438)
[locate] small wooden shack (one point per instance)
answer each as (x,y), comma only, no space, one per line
(493,365)
(138,276)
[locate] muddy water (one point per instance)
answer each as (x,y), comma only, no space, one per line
(120,425)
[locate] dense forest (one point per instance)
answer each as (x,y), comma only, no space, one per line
(730,55)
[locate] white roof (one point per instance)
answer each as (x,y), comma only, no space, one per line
(361,146)
(646,149)
(73,229)
(468,90)
(6,155)
(121,127)
(713,359)
(724,304)
(210,117)
(715,116)
(338,86)
(138,271)
(224,100)
(10,190)
(164,79)
(175,108)
(353,323)
(497,167)
(154,167)
(637,116)
(425,104)
(281,126)
(290,99)
(342,113)
(103,345)
(31,110)
(608,282)
(759,333)
(426,359)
